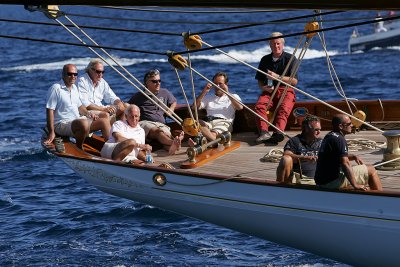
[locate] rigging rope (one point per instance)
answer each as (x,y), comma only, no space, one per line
(160,104)
(291,86)
(288,35)
(332,69)
(197,11)
(90,27)
(258,24)
(82,45)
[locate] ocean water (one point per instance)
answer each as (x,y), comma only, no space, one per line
(52,217)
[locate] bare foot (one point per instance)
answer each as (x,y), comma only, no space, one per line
(175,146)
(191,143)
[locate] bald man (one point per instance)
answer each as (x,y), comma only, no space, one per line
(334,169)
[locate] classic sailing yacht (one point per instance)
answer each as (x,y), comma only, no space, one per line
(234,189)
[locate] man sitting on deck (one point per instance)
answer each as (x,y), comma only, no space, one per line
(127,138)
(220,108)
(300,155)
(64,110)
(152,116)
(93,90)
(333,165)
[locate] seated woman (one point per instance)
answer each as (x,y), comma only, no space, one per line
(127,139)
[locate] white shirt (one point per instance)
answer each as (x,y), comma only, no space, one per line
(65,103)
(95,95)
(124,129)
(220,107)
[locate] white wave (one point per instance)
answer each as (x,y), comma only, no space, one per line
(80,63)
(256,55)
(16,145)
(251,57)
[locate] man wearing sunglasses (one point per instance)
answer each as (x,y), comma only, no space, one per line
(300,155)
(66,116)
(94,90)
(152,118)
(334,169)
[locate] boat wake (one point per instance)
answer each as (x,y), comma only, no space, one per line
(18,149)
(244,55)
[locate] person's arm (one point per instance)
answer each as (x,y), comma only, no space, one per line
(285,79)
(85,112)
(203,93)
(297,158)
(357,159)
(50,126)
(236,105)
(348,172)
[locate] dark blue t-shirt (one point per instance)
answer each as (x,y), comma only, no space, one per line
(148,110)
(333,148)
(298,146)
(267,63)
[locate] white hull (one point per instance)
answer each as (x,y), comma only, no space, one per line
(380,39)
(355,228)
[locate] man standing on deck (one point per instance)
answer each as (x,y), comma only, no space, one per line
(152,116)
(300,154)
(274,64)
(65,113)
(220,108)
(93,90)
(334,169)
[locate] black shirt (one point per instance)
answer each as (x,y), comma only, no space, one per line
(329,162)
(267,63)
(298,146)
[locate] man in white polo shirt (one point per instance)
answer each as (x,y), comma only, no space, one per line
(220,108)
(94,90)
(65,113)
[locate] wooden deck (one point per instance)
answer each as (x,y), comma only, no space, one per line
(246,161)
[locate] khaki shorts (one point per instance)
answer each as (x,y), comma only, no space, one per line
(360,173)
(302,179)
(219,125)
(63,128)
(148,125)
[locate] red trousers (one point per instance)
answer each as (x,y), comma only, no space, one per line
(282,112)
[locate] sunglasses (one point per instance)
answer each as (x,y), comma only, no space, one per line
(346,124)
(155,81)
(98,71)
(72,74)
(317,129)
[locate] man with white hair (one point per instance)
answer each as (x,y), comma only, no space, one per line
(275,64)
(94,90)
(127,138)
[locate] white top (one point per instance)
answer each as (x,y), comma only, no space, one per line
(123,128)
(65,103)
(219,106)
(95,95)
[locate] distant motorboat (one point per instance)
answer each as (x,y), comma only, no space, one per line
(387,36)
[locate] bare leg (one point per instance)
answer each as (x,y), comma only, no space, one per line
(123,149)
(102,124)
(374,182)
(284,169)
(210,135)
(80,129)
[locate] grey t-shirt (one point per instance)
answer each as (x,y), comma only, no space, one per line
(148,110)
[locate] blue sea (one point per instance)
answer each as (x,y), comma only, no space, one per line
(52,217)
